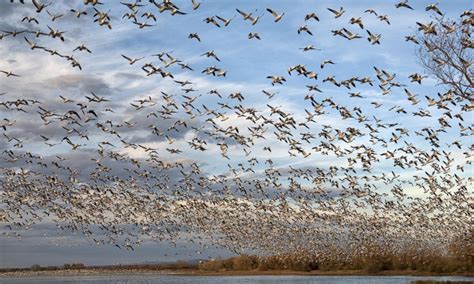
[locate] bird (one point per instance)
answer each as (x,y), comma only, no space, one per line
(78,13)
(349,35)
(66,100)
(54,17)
(276,79)
(13,33)
(326,61)
(9,73)
(195,4)
(30,19)
(448,28)
(412,39)
(336,13)
(246,16)
(275,15)
(211,20)
(304,28)
(357,21)
(403,4)
(269,94)
(314,88)
(434,8)
(211,54)
(93,2)
(82,47)
(195,36)
(39,7)
(142,25)
(429,28)
(148,15)
(96,98)
(32,44)
(384,18)
(130,60)
(185,66)
(131,15)
(311,16)
(371,11)
(56,33)
(309,47)
(373,38)
(415,77)
(252,35)
(132,6)
(226,22)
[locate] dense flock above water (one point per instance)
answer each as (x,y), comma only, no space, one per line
(185,121)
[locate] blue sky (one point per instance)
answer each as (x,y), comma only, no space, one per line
(247,62)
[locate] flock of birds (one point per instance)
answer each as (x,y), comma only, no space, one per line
(383,182)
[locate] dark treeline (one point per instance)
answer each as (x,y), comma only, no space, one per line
(81,266)
(459,258)
(372,265)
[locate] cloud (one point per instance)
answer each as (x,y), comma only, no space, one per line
(83,83)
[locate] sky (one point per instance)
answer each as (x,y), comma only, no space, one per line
(248,62)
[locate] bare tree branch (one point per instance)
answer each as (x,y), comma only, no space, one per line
(445,52)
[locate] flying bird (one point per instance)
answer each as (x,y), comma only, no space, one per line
(403,4)
(39,7)
(336,13)
(275,15)
(130,60)
(9,73)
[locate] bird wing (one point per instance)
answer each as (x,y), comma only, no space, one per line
(272,12)
(242,13)
(222,19)
(27,41)
(129,59)
(36,4)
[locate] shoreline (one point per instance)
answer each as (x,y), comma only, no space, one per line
(197,273)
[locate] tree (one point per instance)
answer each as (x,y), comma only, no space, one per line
(445,52)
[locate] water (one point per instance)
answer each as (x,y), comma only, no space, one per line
(179,279)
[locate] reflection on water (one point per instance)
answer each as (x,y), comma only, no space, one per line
(168,279)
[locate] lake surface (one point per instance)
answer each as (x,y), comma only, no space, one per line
(168,279)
